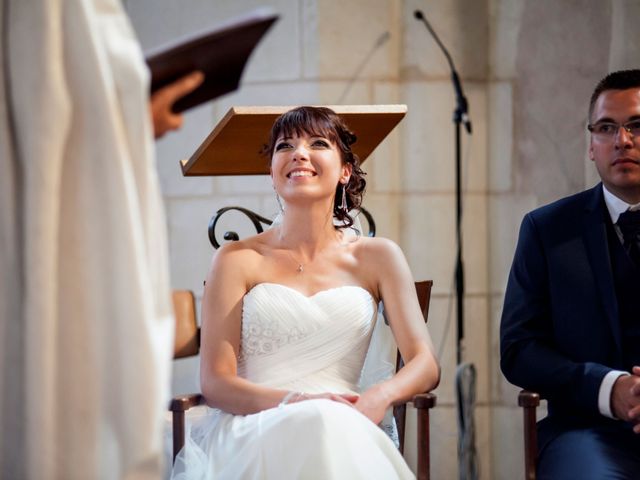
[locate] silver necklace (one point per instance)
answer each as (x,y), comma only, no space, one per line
(300,265)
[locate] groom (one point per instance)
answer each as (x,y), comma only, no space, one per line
(571,320)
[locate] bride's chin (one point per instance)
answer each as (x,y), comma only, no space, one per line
(304,195)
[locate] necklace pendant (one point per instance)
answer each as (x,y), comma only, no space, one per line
(300,268)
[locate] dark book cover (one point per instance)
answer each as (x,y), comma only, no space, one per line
(221,54)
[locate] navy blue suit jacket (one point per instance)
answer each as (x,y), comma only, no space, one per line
(560,330)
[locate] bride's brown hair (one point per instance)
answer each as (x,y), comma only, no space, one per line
(324,122)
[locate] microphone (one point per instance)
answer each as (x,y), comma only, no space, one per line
(381,40)
(462,110)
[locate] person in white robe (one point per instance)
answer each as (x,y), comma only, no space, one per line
(86,330)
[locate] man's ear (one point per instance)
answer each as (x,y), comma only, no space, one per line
(591,152)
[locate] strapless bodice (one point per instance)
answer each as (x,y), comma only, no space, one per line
(313,344)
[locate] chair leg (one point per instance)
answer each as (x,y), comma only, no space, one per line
(424,460)
(178,433)
(423,402)
(529,401)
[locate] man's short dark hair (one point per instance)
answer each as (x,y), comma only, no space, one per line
(620,80)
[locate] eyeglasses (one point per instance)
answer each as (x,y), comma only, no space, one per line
(607,130)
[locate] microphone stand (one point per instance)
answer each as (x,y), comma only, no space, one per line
(465,373)
(460,116)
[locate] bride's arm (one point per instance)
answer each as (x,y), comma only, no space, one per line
(227,283)
(386,263)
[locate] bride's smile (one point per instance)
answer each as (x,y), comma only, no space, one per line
(306,160)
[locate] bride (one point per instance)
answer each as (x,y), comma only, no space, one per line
(287,316)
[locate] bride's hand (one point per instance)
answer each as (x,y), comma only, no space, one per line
(373,404)
(346,398)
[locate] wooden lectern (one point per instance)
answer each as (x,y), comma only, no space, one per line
(235,145)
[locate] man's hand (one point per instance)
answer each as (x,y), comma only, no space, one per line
(163,99)
(634,413)
(625,398)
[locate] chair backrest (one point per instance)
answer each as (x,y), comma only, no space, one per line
(187,339)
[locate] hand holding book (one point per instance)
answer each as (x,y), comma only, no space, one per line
(220,54)
(162,100)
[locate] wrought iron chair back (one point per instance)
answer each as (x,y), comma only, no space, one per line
(260,223)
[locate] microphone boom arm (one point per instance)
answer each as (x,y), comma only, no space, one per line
(461,114)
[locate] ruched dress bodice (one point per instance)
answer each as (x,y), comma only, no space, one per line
(312,344)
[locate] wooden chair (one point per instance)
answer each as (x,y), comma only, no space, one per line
(529,401)
(188,343)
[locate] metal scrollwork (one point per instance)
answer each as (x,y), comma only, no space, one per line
(258,221)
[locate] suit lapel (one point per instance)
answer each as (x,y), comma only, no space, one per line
(595,237)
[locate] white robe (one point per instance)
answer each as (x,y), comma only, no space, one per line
(86,324)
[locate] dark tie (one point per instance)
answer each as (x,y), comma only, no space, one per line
(629,223)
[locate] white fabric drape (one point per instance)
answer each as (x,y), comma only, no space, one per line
(86,330)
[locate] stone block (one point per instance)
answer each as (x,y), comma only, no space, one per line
(462,26)
(243,184)
(442,326)
(181,144)
(500,129)
(428,140)
(285,93)
(444,442)
(506,212)
(373,55)
(477,343)
(342,92)
(384,208)
(505,20)
(625,38)
(383,168)
(507,443)
(427,236)
(475,246)
(559,60)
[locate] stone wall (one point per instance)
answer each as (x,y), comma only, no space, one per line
(528,67)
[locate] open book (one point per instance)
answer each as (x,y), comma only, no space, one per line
(220,53)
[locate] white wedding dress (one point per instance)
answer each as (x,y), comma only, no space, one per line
(308,344)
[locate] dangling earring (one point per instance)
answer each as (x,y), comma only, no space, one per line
(343,203)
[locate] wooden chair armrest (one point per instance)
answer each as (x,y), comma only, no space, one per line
(182,403)
(178,406)
(424,400)
(528,399)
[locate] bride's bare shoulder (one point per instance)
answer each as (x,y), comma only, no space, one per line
(376,248)
(245,251)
